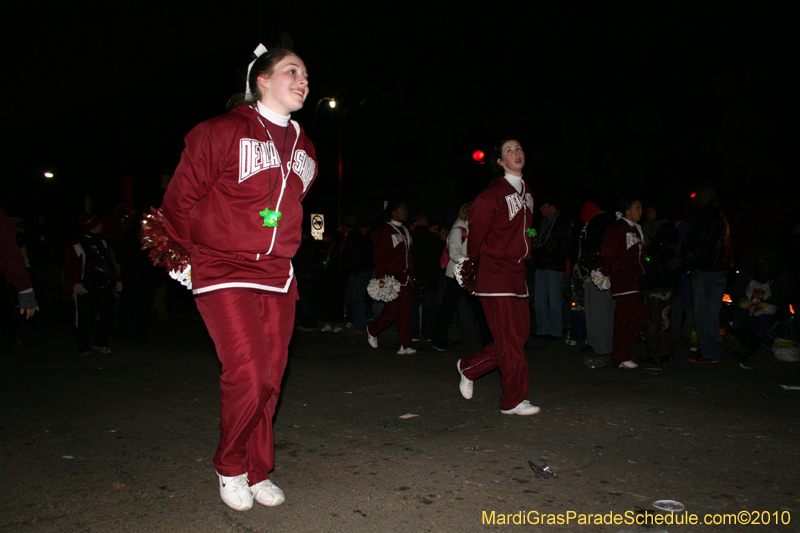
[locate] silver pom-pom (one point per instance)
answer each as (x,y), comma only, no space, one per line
(384,290)
(601,282)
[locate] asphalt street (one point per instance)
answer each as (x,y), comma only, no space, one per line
(123,442)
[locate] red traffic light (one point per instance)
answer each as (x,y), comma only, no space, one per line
(478,155)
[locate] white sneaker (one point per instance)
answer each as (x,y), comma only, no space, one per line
(406,351)
(326,328)
(523,409)
(466,385)
(373,341)
(105,350)
(235,492)
(572,343)
(628,364)
(336,329)
(267,493)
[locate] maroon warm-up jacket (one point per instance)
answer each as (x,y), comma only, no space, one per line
(234,167)
(498,219)
(622,257)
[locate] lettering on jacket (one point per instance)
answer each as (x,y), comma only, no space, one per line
(304,167)
(631,239)
(516,203)
(397,239)
(255,156)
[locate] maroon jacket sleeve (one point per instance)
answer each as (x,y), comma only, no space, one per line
(612,245)
(383,248)
(481,216)
(11,263)
(193,178)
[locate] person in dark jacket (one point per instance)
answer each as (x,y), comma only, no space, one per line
(762,294)
(599,304)
(622,261)
(658,285)
(427,255)
(550,260)
(93,275)
(357,263)
(706,254)
(330,306)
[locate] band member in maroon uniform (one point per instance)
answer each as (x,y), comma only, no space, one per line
(499,242)
(622,260)
(393,258)
(235,205)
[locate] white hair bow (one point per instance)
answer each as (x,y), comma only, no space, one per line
(259,51)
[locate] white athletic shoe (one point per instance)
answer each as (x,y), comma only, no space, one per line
(267,493)
(326,328)
(406,351)
(628,364)
(466,385)
(373,341)
(235,492)
(523,409)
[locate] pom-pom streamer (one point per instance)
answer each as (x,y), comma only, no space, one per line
(163,250)
(466,274)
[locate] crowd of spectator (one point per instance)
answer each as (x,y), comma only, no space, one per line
(674,296)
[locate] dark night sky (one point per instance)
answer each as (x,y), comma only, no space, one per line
(652,100)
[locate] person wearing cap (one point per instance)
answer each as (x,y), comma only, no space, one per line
(93,276)
(598,303)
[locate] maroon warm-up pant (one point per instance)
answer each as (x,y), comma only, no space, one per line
(398,309)
(509,320)
(251,332)
(630,316)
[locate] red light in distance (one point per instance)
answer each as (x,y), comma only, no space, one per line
(478,155)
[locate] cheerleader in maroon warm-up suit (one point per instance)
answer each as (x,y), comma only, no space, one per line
(622,260)
(500,218)
(234,205)
(393,258)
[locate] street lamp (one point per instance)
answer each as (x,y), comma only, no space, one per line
(331,103)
